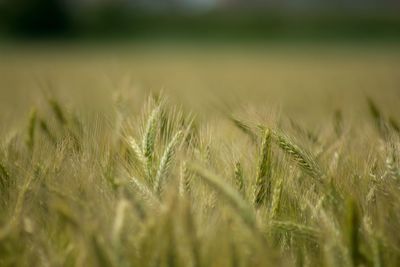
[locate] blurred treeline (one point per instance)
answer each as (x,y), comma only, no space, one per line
(122,19)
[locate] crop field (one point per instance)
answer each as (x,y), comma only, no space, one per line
(198,156)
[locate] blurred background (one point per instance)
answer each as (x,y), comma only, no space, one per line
(306,58)
(212,19)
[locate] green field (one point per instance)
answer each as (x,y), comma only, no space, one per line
(200,155)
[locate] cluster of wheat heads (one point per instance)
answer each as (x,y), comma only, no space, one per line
(167,188)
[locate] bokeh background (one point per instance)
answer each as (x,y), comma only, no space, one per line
(304,58)
(212,19)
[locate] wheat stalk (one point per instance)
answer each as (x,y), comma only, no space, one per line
(5,183)
(353,236)
(122,206)
(191,229)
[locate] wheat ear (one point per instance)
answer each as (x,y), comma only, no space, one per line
(166,161)
(276,199)
(185,179)
(263,179)
(146,193)
(138,153)
(149,138)
(239,179)
(303,159)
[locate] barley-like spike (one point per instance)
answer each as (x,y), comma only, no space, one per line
(276,199)
(303,159)
(185,179)
(149,139)
(150,133)
(146,193)
(239,179)
(138,154)
(263,179)
(232,196)
(165,162)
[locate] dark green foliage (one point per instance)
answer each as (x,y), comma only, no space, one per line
(37,18)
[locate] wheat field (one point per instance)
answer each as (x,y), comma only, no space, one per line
(240,156)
